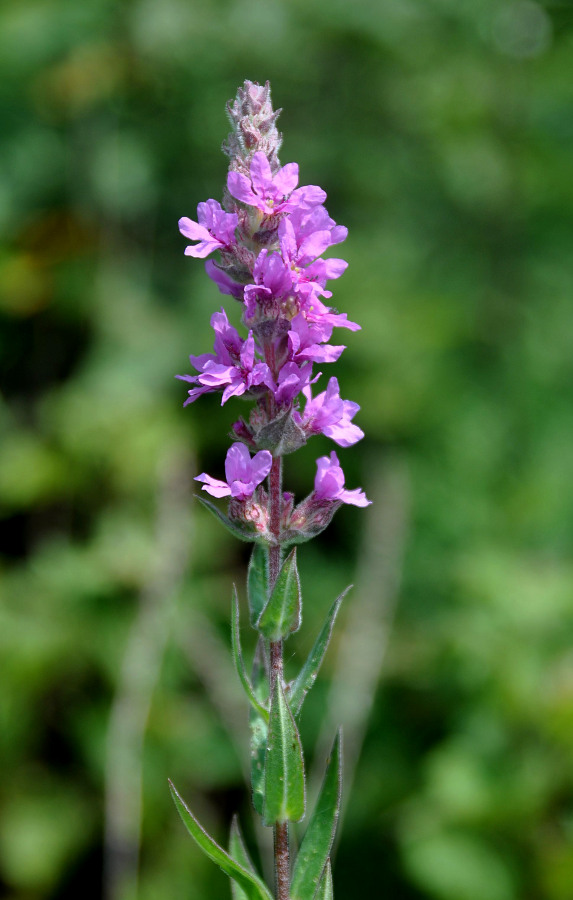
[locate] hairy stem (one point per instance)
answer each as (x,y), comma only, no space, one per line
(281,840)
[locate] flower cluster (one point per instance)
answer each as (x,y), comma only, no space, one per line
(270,235)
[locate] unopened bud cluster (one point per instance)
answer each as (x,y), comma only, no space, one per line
(271,235)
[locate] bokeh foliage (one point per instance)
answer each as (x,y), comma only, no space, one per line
(442,131)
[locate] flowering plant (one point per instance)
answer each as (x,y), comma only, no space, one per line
(271,235)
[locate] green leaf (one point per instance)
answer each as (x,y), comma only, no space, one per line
(324,889)
(238,660)
(259,728)
(239,853)
(252,886)
(318,838)
(281,615)
(258,582)
(307,675)
(284,799)
(242,531)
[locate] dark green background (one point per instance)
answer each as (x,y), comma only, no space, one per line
(442,131)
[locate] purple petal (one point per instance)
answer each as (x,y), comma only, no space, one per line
(261,175)
(193,230)
(213,486)
(287,240)
(216,375)
(345,434)
(192,379)
(306,197)
(237,463)
(261,465)
(195,393)
(286,179)
(321,352)
(338,234)
(242,490)
(314,245)
(335,267)
(235,389)
(248,352)
(354,498)
(203,249)
(240,188)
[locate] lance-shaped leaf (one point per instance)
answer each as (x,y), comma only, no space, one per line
(259,728)
(258,582)
(281,615)
(252,886)
(238,660)
(242,531)
(324,889)
(284,799)
(318,838)
(307,675)
(239,853)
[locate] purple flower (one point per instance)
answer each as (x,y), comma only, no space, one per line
(214,230)
(233,366)
(273,280)
(243,474)
(317,313)
(328,414)
(291,380)
(306,341)
(301,253)
(306,222)
(272,194)
(329,483)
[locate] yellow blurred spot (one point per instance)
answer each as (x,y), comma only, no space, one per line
(24,285)
(91,73)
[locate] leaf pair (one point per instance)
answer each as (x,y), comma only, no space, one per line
(311,878)
(278,616)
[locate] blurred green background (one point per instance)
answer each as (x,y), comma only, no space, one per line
(442,131)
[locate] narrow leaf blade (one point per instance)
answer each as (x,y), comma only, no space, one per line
(259,729)
(239,853)
(243,532)
(251,884)
(324,890)
(318,838)
(284,798)
(281,615)
(307,675)
(238,660)
(258,582)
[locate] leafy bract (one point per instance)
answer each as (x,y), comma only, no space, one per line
(284,794)
(281,615)
(243,532)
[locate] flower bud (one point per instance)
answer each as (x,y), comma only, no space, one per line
(254,127)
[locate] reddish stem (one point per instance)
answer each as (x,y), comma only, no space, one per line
(281,838)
